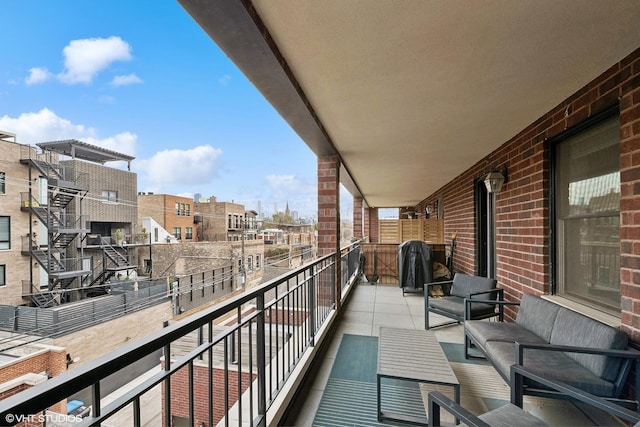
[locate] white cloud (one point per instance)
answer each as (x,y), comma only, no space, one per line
(86,57)
(45,125)
(37,76)
(168,167)
(126,80)
(124,142)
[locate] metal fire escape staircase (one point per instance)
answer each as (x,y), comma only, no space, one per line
(112,262)
(62,230)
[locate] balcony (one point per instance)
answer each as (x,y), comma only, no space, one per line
(241,362)
(371,306)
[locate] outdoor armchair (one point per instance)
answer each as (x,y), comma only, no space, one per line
(478,290)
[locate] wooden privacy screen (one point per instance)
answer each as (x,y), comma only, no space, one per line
(401,230)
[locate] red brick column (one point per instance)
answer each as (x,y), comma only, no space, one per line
(358,231)
(329,217)
(374,225)
(365,223)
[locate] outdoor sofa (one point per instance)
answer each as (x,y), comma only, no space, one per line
(513,414)
(557,343)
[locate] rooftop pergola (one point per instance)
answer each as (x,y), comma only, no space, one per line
(81,150)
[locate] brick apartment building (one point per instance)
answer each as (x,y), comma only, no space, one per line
(14,223)
(224,221)
(173,213)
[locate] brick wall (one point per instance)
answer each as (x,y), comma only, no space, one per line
(328,204)
(162,208)
(374,225)
(523,206)
(17,266)
(328,226)
(626,81)
(179,393)
(357,217)
(49,360)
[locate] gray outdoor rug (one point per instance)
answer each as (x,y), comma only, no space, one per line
(349,398)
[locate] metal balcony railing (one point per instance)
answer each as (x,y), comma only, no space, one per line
(245,352)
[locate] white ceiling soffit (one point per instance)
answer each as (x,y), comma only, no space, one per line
(413,93)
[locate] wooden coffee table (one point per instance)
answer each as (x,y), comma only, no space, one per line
(412,355)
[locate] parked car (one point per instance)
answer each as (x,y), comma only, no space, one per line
(78,408)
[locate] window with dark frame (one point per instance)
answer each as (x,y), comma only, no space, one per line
(2,182)
(177,233)
(3,275)
(110,196)
(188,233)
(5,232)
(587,216)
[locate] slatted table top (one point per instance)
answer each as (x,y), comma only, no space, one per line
(415,355)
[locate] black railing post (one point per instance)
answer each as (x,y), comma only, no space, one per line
(261,361)
(312,306)
(167,381)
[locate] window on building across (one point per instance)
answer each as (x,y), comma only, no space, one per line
(188,209)
(110,196)
(177,209)
(2,182)
(250,263)
(177,233)
(587,216)
(5,232)
(258,261)
(3,275)
(188,233)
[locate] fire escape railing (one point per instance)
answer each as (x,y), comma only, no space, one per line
(248,345)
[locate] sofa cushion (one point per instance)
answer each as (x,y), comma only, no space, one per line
(455,305)
(537,315)
(575,329)
(554,365)
(483,331)
(464,284)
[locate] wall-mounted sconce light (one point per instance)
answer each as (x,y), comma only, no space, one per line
(495,179)
(428,209)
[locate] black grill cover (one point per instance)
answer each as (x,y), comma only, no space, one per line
(415,264)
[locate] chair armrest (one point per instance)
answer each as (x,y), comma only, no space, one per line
(444,282)
(500,302)
(499,291)
(500,299)
(518,373)
(493,302)
(437,400)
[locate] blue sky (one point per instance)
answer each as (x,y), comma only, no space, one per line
(141,78)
